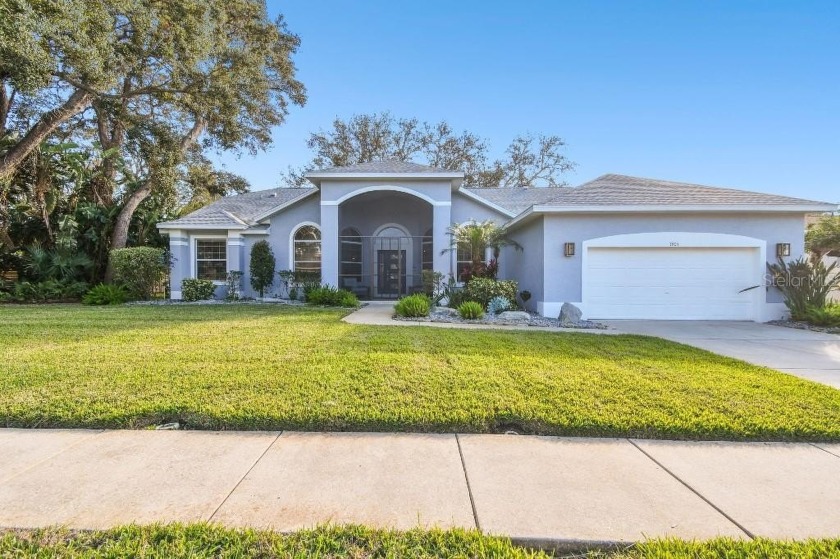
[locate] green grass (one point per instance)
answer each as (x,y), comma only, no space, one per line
(205,541)
(274,367)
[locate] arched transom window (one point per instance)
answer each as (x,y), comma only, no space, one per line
(307,241)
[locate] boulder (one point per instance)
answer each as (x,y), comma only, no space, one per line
(514,316)
(445,311)
(570,315)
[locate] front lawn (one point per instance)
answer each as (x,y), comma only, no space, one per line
(208,541)
(276,367)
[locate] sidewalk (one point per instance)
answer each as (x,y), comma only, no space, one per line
(544,490)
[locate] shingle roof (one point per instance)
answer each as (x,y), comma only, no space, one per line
(516,200)
(609,190)
(379,167)
(243,209)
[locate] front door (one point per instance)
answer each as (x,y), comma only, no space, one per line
(391,273)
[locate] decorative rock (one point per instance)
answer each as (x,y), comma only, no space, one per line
(445,311)
(570,315)
(514,316)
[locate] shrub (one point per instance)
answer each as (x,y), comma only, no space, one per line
(804,284)
(482,290)
(197,289)
(139,269)
(471,310)
(828,316)
(498,304)
(329,296)
(456,297)
(262,266)
(106,294)
(413,306)
(46,291)
(233,285)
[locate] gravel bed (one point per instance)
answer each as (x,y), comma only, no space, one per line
(801,325)
(536,320)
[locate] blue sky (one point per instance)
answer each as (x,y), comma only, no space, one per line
(743,94)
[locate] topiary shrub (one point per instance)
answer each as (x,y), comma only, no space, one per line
(413,306)
(139,269)
(329,296)
(483,290)
(262,266)
(197,289)
(106,294)
(498,304)
(471,310)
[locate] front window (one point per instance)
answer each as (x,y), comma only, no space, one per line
(428,251)
(211,259)
(464,261)
(308,249)
(351,255)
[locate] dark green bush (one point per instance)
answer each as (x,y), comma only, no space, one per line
(139,269)
(413,306)
(197,289)
(471,310)
(482,290)
(456,298)
(329,296)
(106,294)
(46,291)
(262,266)
(827,316)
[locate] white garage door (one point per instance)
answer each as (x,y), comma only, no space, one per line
(671,283)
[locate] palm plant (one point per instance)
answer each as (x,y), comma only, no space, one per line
(477,236)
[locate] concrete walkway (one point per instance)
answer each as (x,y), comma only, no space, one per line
(544,490)
(811,355)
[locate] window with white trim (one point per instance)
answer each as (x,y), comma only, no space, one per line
(211,259)
(463,260)
(307,245)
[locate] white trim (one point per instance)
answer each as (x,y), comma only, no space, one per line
(178,243)
(292,242)
(190,227)
(257,232)
(284,205)
(385,188)
(677,241)
(672,208)
(392,175)
(194,253)
(487,203)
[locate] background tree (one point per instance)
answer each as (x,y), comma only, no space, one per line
(262,266)
(529,161)
(823,237)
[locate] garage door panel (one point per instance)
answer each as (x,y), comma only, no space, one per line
(671,283)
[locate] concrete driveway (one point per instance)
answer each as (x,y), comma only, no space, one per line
(810,355)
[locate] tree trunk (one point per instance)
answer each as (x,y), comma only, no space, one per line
(51,120)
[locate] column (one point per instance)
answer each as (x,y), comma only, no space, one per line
(329,243)
(235,255)
(441,220)
(179,249)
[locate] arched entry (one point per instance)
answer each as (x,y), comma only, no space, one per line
(393,258)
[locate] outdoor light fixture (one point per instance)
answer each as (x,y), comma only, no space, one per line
(782,249)
(568,249)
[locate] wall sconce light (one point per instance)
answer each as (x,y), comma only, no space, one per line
(782,249)
(568,249)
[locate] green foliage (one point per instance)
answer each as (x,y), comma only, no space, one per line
(233,285)
(828,316)
(483,290)
(823,237)
(262,266)
(471,310)
(207,541)
(197,289)
(455,297)
(106,294)
(805,284)
(413,306)
(297,283)
(329,296)
(476,236)
(48,291)
(311,371)
(139,269)
(498,304)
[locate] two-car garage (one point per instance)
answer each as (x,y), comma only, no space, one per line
(673,276)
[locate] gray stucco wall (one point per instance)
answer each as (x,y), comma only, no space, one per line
(464,209)
(563,274)
(527,266)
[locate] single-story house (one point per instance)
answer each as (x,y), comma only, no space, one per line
(617,247)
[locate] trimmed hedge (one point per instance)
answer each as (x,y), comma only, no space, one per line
(197,289)
(483,290)
(139,269)
(329,296)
